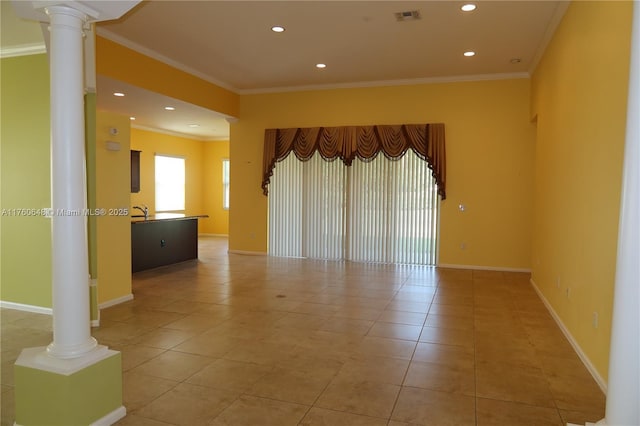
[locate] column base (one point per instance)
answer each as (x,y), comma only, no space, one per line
(59,392)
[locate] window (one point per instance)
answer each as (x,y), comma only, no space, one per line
(376,211)
(225,184)
(170,179)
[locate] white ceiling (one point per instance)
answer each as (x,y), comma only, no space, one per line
(230,43)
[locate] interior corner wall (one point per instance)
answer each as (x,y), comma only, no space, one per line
(113,225)
(197,157)
(217,223)
(25,181)
(489,143)
(580,93)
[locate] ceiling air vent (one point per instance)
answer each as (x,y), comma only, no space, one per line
(410,15)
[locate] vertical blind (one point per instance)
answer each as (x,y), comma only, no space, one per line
(375,211)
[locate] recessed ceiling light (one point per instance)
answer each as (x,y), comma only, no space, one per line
(468,7)
(169,108)
(321,66)
(194,125)
(277,29)
(118,94)
(132,118)
(469,53)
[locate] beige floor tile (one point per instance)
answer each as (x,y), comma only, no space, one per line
(580,417)
(456,310)
(259,353)
(188,405)
(199,322)
(347,325)
(491,412)
(395,331)
(341,323)
(146,318)
(384,347)
(577,395)
(290,386)
(400,317)
(323,417)
(447,336)
(366,398)
(136,420)
(173,365)
(231,375)
(442,378)
(455,356)
(140,389)
(118,332)
(134,355)
(406,306)
(7,408)
(449,321)
(252,411)
(374,369)
(520,384)
(210,344)
(431,408)
(313,361)
(163,338)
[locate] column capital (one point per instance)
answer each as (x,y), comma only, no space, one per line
(95,11)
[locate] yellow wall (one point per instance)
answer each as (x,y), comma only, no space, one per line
(202,179)
(490,145)
(218,221)
(121,63)
(26,181)
(113,185)
(579,93)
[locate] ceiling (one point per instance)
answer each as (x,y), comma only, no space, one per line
(230,43)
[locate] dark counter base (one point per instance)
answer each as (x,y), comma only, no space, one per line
(163,242)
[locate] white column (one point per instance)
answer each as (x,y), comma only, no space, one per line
(623,393)
(71,315)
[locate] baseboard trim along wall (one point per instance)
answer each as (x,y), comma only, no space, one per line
(576,347)
(247,253)
(26,308)
(482,268)
(115,301)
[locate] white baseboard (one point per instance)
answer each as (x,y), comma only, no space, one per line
(213,235)
(112,417)
(247,253)
(115,301)
(482,268)
(576,347)
(26,308)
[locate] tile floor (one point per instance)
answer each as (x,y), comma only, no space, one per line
(246,340)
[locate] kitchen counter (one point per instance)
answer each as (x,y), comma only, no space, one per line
(164,216)
(163,239)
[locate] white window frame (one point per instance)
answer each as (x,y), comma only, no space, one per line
(226,168)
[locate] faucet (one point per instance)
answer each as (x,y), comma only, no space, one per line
(144,209)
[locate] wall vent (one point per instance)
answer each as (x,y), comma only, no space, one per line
(409,15)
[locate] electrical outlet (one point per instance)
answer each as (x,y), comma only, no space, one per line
(463,246)
(594,320)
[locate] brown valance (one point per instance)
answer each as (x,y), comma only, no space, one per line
(364,142)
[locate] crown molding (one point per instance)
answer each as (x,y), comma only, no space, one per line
(159,57)
(383,83)
(179,134)
(558,14)
(23,50)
